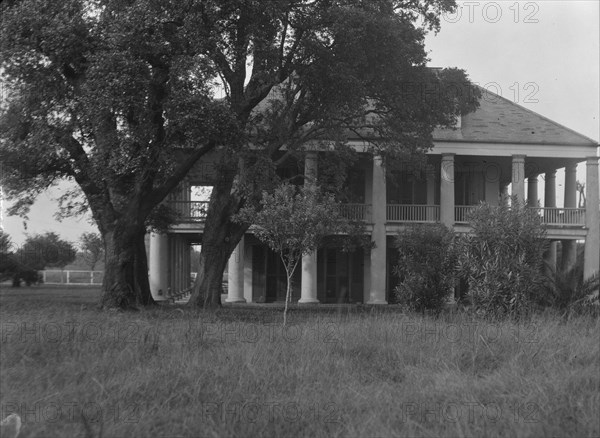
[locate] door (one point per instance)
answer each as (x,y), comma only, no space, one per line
(259,277)
(276,278)
(334,268)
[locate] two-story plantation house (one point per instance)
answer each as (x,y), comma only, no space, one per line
(498,145)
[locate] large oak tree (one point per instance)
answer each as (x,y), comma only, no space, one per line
(106,93)
(317,73)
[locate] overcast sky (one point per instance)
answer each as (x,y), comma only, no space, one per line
(542,55)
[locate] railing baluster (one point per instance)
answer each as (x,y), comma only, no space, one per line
(561,216)
(412,213)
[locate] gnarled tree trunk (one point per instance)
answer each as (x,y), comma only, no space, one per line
(220,238)
(125,284)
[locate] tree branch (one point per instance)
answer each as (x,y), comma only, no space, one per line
(161,193)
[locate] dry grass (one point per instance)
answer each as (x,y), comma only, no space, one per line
(70,370)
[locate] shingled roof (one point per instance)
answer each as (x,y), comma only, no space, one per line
(498,120)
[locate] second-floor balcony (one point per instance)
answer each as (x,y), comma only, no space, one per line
(195,212)
(548,215)
(190,211)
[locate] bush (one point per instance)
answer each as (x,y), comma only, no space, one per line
(569,292)
(425,267)
(502,259)
(29,276)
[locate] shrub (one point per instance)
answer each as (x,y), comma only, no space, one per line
(587,296)
(502,259)
(425,266)
(569,292)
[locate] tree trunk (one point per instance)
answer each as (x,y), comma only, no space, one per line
(125,284)
(288,294)
(289,271)
(220,238)
(218,244)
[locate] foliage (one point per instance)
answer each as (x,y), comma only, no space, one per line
(8,264)
(569,292)
(587,296)
(425,267)
(293,221)
(92,248)
(502,258)
(38,252)
(113,96)
(5,242)
(47,251)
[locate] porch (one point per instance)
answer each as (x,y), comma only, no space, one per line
(444,191)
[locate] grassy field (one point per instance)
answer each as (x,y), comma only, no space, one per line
(70,370)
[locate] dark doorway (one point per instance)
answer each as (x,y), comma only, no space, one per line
(269,277)
(339,276)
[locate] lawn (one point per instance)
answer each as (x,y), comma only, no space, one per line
(70,370)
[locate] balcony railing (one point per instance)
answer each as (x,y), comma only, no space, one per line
(195,211)
(413,213)
(461,212)
(561,216)
(549,215)
(190,211)
(356,212)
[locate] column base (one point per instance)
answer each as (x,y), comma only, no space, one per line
(377,302)
(235,300)
(308,301)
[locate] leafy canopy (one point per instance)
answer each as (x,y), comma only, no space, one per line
(293,221)
(104,93)
(46,251)
(92,248)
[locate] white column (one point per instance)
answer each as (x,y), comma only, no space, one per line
(367,253)
(518,177)
(550,189)
(447,190)
(235,275)
(550,202)
(571,186)
(378,254)
(430,192)
(569,247)
(158,265)
(187,268)
(175,282)
(308,290)
(591,260)
(532,191)
(308,285)
(248,273)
